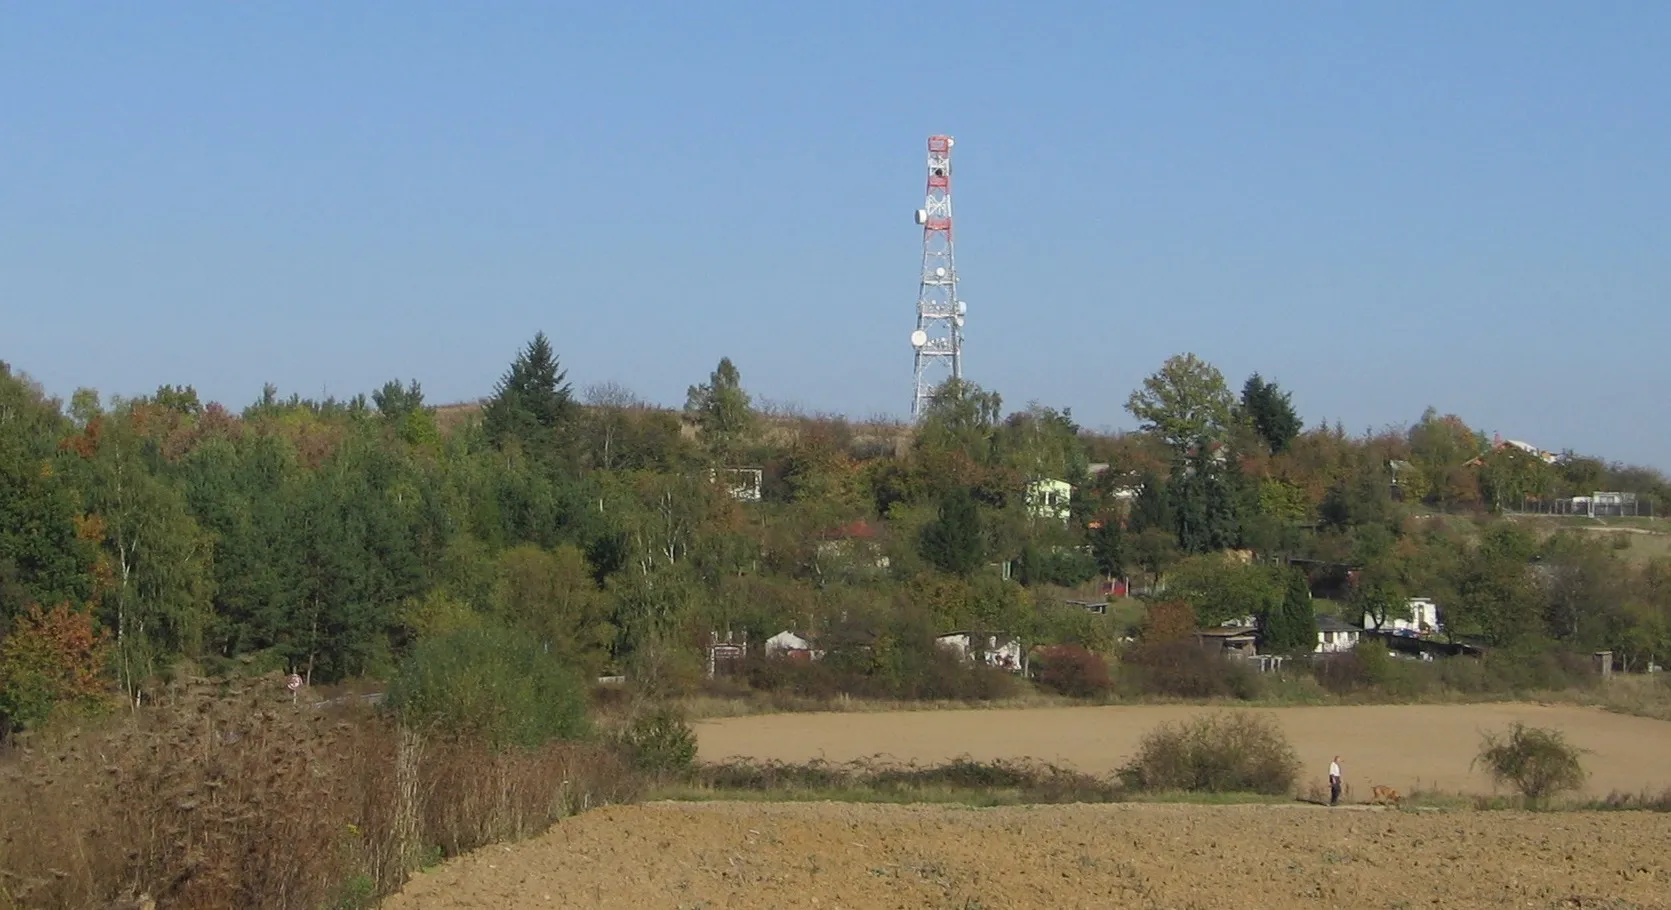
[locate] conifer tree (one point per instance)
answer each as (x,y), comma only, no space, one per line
(532,404)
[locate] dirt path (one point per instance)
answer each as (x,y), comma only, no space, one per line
(829,856)
(1405,746)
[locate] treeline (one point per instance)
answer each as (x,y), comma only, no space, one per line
(143,538)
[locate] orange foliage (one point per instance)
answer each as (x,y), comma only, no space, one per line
(52,656)
(1171,620)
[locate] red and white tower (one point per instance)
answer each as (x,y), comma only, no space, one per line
(938,339)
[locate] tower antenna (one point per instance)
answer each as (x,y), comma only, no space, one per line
(937,342)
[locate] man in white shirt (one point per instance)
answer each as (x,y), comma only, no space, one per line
(1334,781)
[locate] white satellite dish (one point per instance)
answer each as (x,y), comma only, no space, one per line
(922,216)
(958,320)
(950,142)
(919,338)
(962,308)
(940,272)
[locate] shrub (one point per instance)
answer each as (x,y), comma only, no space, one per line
(1538,763)
(1074,671)
(660,742)
(492,684)
(1232,752)
(1025,781)
(1183,669)
(51,657)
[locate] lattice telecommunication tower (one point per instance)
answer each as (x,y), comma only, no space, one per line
(937,342)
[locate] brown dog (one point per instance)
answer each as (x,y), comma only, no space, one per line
(1385,795)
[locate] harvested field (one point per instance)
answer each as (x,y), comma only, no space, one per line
(1410,747)
(749,856)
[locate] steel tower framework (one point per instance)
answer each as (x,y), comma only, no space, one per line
(938,339)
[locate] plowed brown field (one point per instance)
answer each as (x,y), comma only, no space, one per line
(862,857)
(1429,747)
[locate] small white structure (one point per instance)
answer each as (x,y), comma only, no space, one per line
(786,642)
(1049,499)
(741,483)
(1334,636)
(998,650)
(1421,618)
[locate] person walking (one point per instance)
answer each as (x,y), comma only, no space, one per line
(1334,781)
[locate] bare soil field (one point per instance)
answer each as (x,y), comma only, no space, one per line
(756,856)
(1410,747)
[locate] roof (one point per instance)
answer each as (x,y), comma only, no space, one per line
(1326,623)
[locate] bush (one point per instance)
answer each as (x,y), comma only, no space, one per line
(1074,671)
(1538,763)
(1026,781)
(492,684)
(1216,753)
(660,742)
(1183,669)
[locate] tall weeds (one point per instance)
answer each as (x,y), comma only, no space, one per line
(232,796)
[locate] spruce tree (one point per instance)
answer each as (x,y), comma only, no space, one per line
(1290,627)
(532,404)
(1270,412)
(952,541)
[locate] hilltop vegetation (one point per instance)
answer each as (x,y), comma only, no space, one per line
(162,537)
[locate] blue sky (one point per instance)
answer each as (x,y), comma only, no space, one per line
(1379,205)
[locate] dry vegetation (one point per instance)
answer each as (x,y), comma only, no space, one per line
(222,797)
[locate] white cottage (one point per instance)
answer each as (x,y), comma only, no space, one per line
(1334,635)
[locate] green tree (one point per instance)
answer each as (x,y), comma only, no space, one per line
(1109,547)
(952,542)
(41,559)
(1185,403)
(961,418)
(1042,443)
(554,596)
(1497,597)
(1222,589)
(532,404)
(1271,413)
(1290,626)
(1205,502)
(721,410)
(493,683)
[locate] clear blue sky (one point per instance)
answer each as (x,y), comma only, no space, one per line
(1379,205)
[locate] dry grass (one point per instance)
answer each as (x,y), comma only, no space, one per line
(220,797)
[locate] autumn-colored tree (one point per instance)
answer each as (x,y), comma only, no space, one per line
(51,657)
(1168,621)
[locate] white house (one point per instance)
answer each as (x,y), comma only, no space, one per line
(1000,650)
(1049,499)
(1334,635)
(1421,618)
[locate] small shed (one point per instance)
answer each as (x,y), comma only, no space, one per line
(1235,639)
(1335,635)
